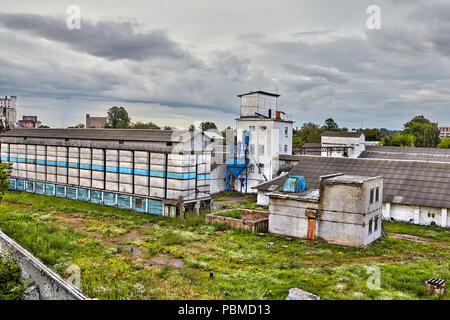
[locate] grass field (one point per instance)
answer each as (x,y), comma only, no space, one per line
(126,255)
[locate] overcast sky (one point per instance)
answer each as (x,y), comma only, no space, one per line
(175,62)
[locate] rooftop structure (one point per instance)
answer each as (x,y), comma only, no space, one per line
(95,122)
(342,144)
(444,131)
(29,122)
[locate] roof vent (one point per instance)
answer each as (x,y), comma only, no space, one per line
(294,184)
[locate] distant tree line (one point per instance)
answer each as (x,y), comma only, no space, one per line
(418,132)
(118,118)
(311,132)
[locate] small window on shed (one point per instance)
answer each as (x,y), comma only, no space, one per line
(376,223)
(370,226)
(377,195)
(371,195)
(121,142)
(139,203)
(168,144)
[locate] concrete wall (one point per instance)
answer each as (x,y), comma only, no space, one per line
(288,217)
(346,213)
(273,138)
(416,214)
(262,199)
(51,285)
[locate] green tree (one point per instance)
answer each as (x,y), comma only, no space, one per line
(5,174)
(445,143)
(426,133)
(167,128)
(118,118)
(297,140)
(11,285)
(208,125)
(310,133)
(43,127)
(330,125)
(399,140)
(78,126)
(191,128)
(372,134)
(149,125)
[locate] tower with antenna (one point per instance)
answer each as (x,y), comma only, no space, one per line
(263,133)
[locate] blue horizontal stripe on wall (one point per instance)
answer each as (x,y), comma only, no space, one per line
(73,165)
(126,170)
(85,166)
(139,204)
(140,172)
(204,176)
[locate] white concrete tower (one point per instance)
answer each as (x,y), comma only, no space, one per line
(270,131)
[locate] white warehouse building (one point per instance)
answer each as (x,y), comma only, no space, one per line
(149,171)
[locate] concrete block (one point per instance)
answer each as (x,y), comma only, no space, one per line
(298,294)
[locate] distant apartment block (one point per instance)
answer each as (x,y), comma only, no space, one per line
(8,110)
(29,122)
(444,132)
(95,122)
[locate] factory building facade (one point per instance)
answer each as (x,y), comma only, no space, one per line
(269,131)
(150,171)
(352,142)
(95,122)
(8,111)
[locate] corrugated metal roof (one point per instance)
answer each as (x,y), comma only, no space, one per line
(406,182)
(344,134)
(399,153)
(100,134)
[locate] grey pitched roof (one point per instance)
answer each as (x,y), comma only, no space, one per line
(348,134)
(405,182)
(399,153)
(100,134)
(261,92)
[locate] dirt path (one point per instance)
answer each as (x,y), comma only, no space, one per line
(403,236)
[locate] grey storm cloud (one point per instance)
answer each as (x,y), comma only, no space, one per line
(321,70)
(112,40)
(329,73)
